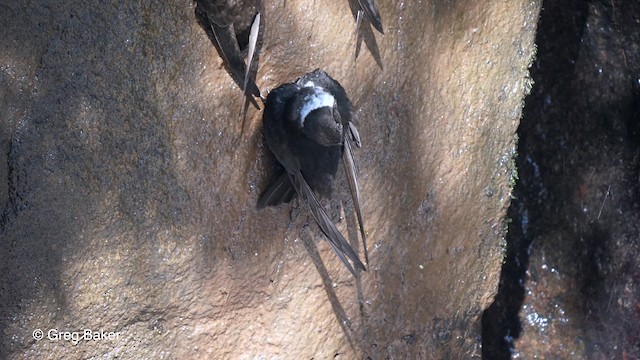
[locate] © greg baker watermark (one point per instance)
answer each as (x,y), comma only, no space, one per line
(76,336)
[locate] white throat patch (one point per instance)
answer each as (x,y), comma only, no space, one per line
(317,100)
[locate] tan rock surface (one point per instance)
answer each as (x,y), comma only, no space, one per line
(129,199)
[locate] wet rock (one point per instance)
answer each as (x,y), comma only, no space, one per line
(571,281)
(129,193)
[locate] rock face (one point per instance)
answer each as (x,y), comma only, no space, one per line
(129,188)
(570,285)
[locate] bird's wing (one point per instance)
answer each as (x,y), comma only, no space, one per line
(280,191)
(359,16)
(350,170)
(251,71)
(230,52)
(253,40)
(338,243)
(373,15)
(355,135)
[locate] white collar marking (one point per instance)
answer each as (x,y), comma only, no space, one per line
(317,100)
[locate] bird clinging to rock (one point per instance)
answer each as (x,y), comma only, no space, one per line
(308,127)
(233,25)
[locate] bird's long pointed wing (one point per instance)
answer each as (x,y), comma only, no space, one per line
(253,40)
(350,169)
(230,51)
(338,243)
(249,73)
(373,15)
(359,16)
(355,135)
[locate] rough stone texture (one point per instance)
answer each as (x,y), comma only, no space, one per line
(571,281)
(129,186)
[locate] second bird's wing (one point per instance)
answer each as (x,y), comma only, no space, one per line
(350,170)
(230,52)
(338,243)
(373,14)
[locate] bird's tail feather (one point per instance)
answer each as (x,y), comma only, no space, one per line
(278,192)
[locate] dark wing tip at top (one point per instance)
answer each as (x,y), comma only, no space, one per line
(373,14)
(223,35)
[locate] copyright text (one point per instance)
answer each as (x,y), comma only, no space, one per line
(75,337)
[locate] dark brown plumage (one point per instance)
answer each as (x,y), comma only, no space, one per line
(308,127)
(228,25)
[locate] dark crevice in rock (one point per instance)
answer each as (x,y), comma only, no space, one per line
(14,178)
(575,213)
(501,322)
